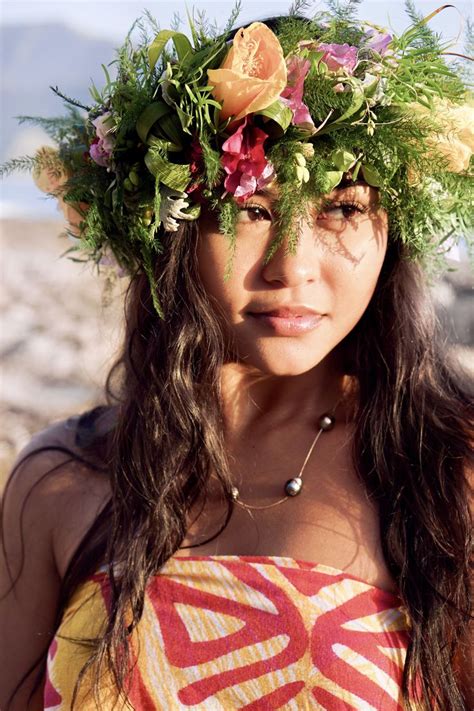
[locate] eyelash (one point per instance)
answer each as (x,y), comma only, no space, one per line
(353,206)
(254,208)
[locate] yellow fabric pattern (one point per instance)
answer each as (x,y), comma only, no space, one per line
(232,632)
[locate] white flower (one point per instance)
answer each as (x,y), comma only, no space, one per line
(173,202)
(378,86)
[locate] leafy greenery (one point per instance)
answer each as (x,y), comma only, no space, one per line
(158,125)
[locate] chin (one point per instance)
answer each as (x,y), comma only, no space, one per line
(284,359)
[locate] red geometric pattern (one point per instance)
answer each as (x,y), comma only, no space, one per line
(255,633)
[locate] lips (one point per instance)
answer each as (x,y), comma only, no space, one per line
(288,320)
(288,312)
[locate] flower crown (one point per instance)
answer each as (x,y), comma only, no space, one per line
(301,103)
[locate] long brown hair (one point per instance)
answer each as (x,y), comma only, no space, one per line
(413,430)
(411,448)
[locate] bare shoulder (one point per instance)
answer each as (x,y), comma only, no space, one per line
(50,501)
(53,494)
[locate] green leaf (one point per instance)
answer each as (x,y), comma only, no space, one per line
(333,178)
(371,175)
(277,112)
(95,94)
(342,160)
(170,127)
(182,45)
(185,119)
(107,75)
(148,268)
(149,117)
(357,101)
(190,93)
(173,175)
(356,170)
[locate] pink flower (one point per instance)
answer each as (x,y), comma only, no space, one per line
(338,56)
(196,160)
(292,95)
(103,144)
(98,154)
(378,41)
(244,161)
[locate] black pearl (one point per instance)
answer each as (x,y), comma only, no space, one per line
(234,492)
(293,486)
(327,422)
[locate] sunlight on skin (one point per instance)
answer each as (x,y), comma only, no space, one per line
(333,272)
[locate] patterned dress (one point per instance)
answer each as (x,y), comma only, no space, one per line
(243,632)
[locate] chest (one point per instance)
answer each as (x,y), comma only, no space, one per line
(331,521)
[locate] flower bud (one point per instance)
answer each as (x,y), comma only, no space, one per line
(300,159)
(302,174)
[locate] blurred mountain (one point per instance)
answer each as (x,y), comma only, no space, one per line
(35,57)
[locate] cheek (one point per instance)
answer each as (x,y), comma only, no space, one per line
(354,278)
(229,274)
(221,275)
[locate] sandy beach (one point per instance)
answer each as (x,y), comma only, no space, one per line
(57,338)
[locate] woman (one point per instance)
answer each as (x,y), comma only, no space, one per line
(271,512)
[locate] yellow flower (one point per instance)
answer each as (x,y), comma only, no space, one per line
(50,179)
(253,74)
(454,137)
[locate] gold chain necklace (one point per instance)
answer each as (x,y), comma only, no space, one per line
(294,485)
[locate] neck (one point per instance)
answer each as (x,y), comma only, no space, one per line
(251,397)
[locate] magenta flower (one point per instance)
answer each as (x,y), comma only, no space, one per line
(378,41)
(103,144)
(98,154)
(338,56)
(292,95)
(244,161)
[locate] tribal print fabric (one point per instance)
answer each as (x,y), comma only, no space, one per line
(244,632)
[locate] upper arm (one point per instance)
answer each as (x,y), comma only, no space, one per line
(48,505)
(29,581)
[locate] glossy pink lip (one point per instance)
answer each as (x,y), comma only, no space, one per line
(288,321)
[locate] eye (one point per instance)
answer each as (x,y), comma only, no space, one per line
(342,210)
(253,212)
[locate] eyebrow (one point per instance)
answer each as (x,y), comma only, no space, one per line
(268,193)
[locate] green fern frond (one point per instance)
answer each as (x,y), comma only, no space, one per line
(69,100)
(344,10)
(24,164)
(234,16)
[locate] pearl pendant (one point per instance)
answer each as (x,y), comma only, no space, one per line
(327,422)
(234,493)
(293,486)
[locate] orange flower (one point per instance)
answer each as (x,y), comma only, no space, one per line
(253,74)
(50,180)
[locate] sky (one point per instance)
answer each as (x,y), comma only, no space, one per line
(111,19)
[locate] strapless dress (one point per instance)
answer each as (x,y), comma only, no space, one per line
(242,632)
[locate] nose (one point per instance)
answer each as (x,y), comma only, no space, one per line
(297,268)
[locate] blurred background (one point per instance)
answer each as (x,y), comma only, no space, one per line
(60,324)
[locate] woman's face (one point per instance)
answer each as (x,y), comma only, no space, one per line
(287,315)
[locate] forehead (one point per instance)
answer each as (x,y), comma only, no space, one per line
(357,188)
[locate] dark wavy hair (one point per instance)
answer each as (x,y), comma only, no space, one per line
(411,449)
